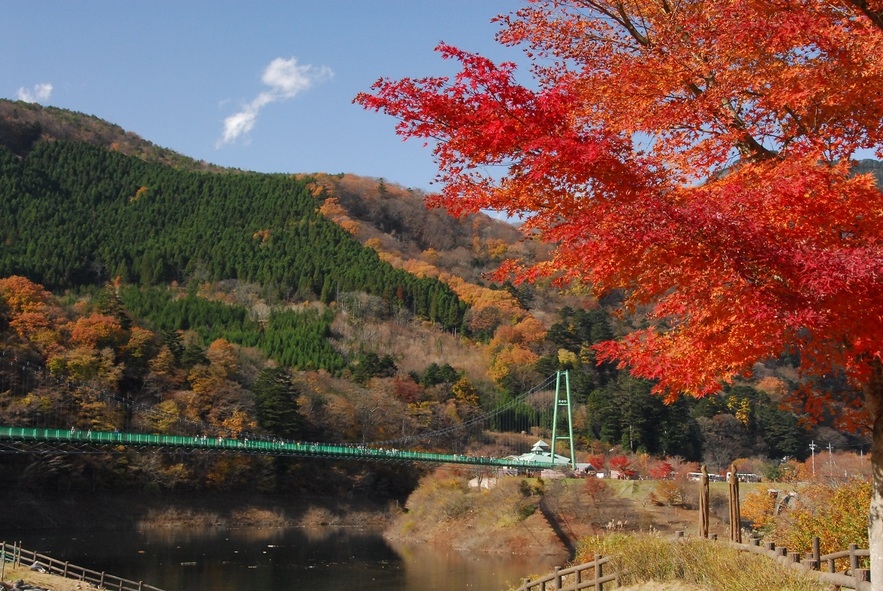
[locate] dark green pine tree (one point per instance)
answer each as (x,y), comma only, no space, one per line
(276,401)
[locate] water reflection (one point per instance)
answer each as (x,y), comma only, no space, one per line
(319,559)
(440,569)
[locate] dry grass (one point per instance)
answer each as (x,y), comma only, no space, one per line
(662,586)
(47,581)
(695,562)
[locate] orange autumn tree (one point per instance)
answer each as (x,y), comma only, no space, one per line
(696,156)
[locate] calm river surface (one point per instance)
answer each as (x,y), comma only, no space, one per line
(318,559)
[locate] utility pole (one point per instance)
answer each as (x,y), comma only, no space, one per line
(830,457)
(812,448)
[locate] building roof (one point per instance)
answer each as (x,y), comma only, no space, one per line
(541,452)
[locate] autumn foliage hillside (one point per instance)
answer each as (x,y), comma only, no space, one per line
(138,290)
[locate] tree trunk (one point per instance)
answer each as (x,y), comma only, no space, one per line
(874,401)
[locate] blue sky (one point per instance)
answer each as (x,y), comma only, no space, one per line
(263,86)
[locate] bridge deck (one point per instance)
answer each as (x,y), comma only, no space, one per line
(255,446)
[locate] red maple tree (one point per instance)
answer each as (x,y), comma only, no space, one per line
(696,156)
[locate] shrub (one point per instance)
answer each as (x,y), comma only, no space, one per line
(667,493)
(597,489)
(836,512)
(759,507)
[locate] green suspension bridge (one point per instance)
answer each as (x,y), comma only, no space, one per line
(550,397)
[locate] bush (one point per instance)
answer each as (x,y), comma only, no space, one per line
(836,512)
(597,489)
(666,493)
(759,507)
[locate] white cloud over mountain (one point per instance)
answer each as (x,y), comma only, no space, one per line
(40,92)
(285,79)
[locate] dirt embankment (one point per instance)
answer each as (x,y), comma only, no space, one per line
(516,515)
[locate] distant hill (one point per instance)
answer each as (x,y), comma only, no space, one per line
(23,124)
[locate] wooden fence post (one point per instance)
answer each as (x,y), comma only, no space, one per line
(735,512)
(816,553)
(599,573)
(703,502)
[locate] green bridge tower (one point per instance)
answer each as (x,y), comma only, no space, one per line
(562,401)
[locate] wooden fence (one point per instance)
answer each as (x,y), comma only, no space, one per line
(584,576)
(16,555)
(822,566)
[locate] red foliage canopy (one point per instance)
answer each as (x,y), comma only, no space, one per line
(695,155)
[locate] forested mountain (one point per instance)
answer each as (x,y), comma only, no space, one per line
(324,307)
(75,214)
(23,124)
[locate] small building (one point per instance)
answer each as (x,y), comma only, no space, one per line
(542,453)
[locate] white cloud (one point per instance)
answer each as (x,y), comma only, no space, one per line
(41,92)
(286,79)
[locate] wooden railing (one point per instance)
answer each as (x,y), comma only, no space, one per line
(584,576)
(16,555)
(822,566)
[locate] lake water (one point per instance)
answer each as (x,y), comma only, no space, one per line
(271,559)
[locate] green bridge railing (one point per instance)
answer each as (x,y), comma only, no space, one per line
(280,448)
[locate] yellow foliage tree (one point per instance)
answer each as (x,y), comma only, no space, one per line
(758,507)
(464,392)
(332,208)
(164,362)
(23,295)
(96,330)
(836,512)
(222,355)
(139,342)
(513,361)
(237,423)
